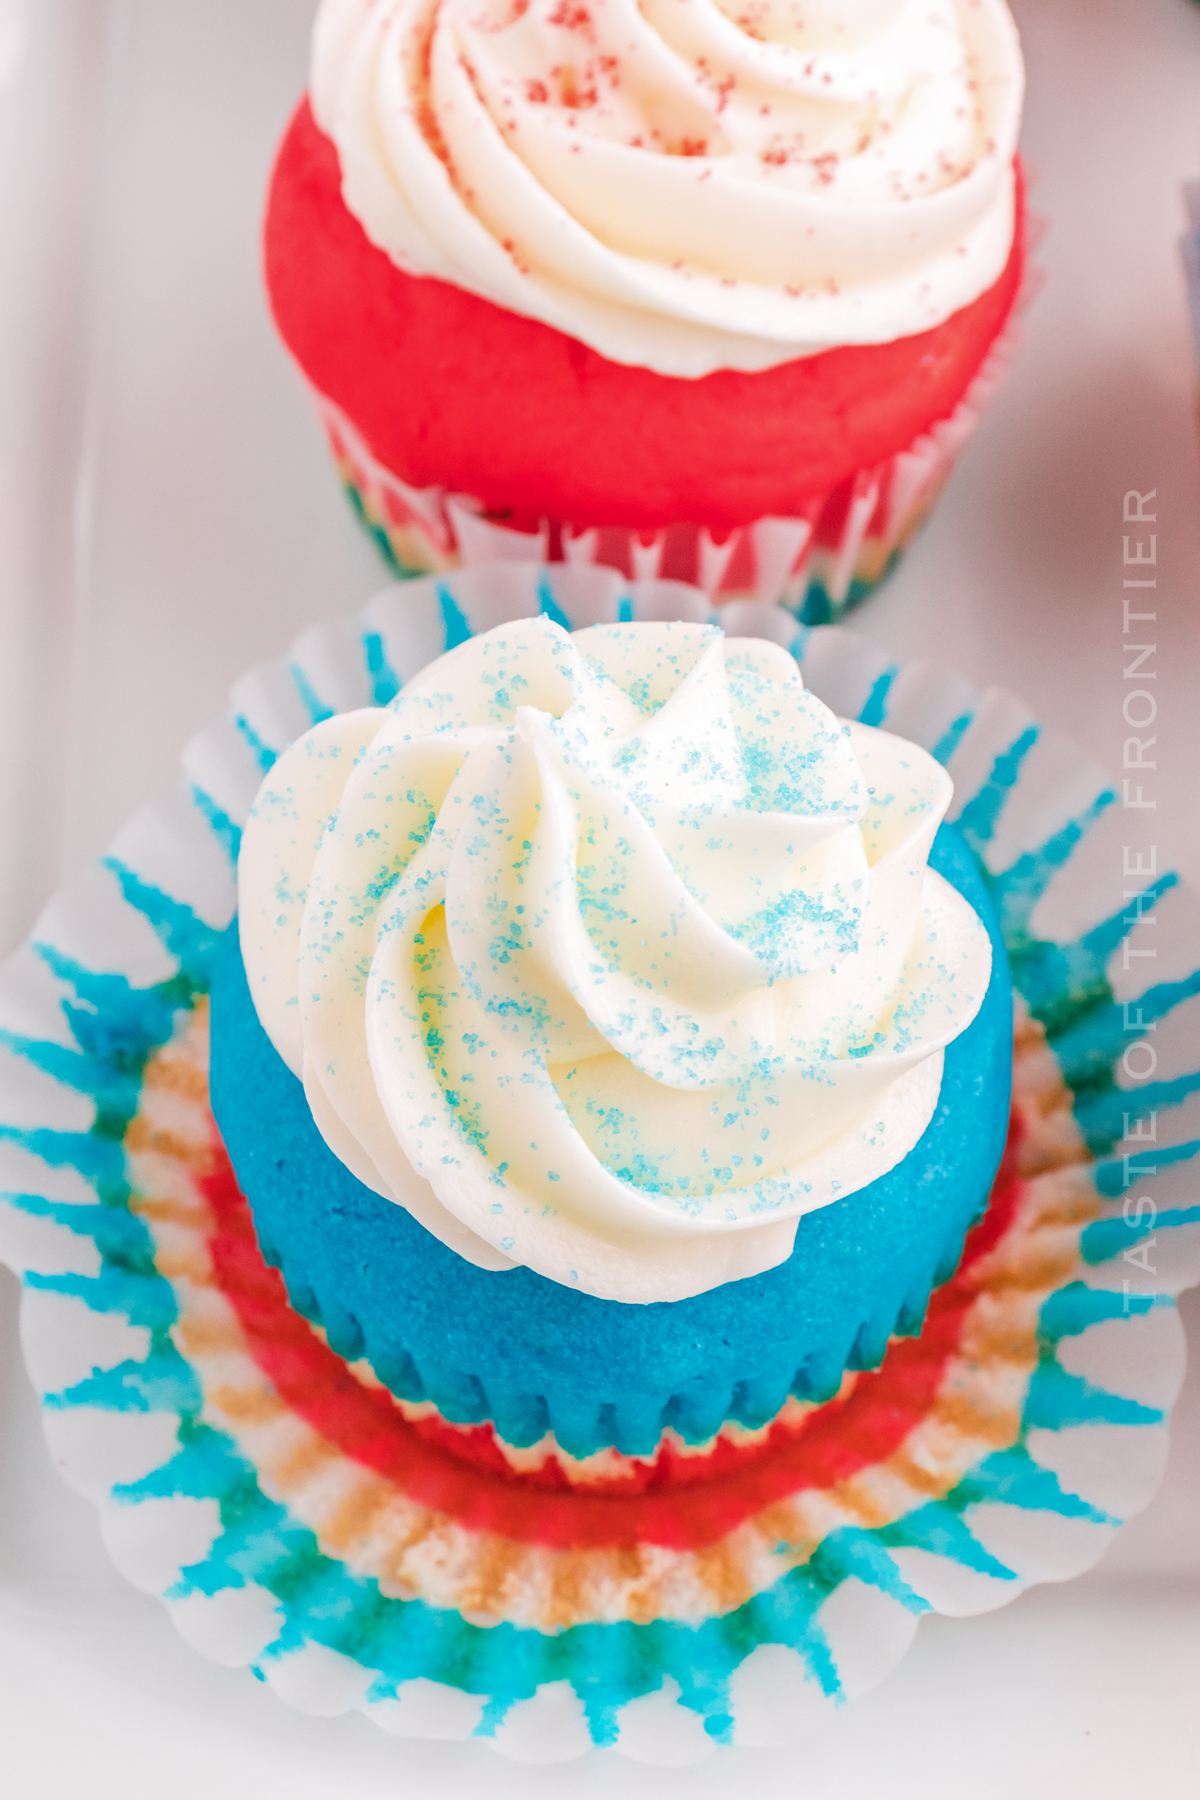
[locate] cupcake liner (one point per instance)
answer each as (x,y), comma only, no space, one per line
(295,1519)
(817,563)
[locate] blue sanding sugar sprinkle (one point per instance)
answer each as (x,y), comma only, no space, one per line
(763,745)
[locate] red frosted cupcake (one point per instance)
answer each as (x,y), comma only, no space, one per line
(706,293)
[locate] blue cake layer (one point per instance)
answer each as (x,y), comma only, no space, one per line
(533,1355)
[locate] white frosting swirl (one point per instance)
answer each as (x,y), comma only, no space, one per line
(611,954)
(683,184)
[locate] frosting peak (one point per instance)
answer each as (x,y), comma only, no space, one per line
(610,953)
(685,184)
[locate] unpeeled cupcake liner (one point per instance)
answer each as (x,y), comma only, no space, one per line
(817,563)
(285,1509)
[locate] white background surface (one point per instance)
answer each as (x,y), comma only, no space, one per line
(168,517)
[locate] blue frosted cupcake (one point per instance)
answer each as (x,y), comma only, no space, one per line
(611,1041)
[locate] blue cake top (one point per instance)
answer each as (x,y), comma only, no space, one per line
(533,1354)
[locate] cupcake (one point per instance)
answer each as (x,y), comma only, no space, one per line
(689,291)
(610,1045)
(295,1507)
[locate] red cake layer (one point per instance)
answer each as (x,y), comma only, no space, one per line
(460,1475)
(449,390)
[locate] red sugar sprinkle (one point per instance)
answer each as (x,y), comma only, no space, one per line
(571,16)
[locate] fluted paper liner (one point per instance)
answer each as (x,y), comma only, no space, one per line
(817,563)
(291,1515)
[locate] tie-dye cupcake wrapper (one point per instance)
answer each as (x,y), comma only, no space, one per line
(290,1515)
(817,564)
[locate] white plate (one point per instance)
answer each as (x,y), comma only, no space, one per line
(143,397)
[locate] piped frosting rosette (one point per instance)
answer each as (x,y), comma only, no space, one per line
(683,185)
(295,1518)
(609,954)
